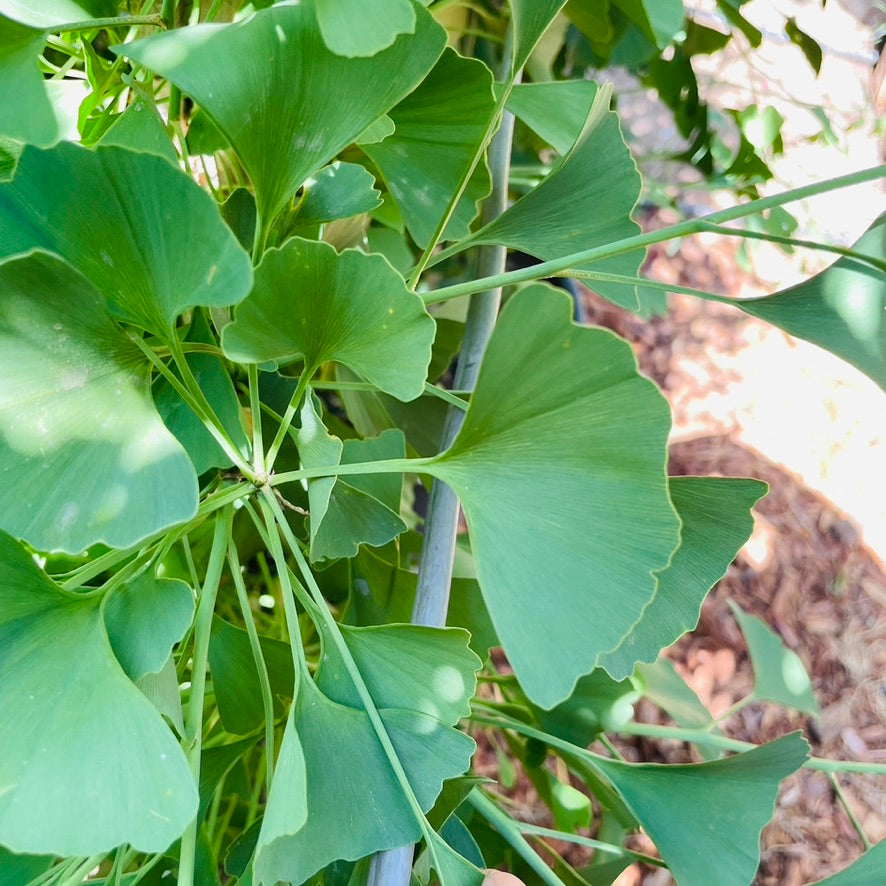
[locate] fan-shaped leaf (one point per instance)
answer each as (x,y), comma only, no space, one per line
(129,781)
(530,20)
(560,469)
(438,130)
(281,112)
(139,128)
(26,112)
(842,309)
(779,675)
(144,619)
(312,303)
(389,19)
(585,201)
(705,818)
(556,111)
(141,230)
(354,809)
(659,20)
(715,513)
(339,190)
(45,13)
(84,455)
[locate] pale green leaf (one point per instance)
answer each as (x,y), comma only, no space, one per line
(560,469)
(715,513)
(556,111)
(864,871)
(87,762)
(149,238)
(585,201)
(339,190)
(705,818)
(377,131)
(84,455)
(45,13)
(349,29)
(438,130)
(779,674)
(281,108)
(664,687)
(355,810)
(431,670)
(26,112)
(842,309)
(531,19)
(161,689)
(236,679)
(312,303)
(144,619)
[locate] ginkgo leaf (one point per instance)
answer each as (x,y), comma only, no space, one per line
(144,619)
(531,19)
(45,13)
(73,702)
(84,455)
(438,129)
(779,674)
(842,309)
(864,871)
(659,20)
(560,468)
(312,303)
(715,513)
(556,110)
(585,201)
(354,810)
(705,818)
(26,112)
(140,128)
(146,235)
(376,32)
(339,190)
(280,108)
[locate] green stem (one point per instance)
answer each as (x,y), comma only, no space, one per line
(193,737)
(509,831)
(112,22)
(258,447)
(167,12)
(82,871)
(257,657)
(286,421)
(853,818)
(382,466)
(683,229)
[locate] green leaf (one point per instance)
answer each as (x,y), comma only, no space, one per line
(215,382)
(808,46)
(314,304)
(556,111)
(87,762)
(705,818)
(664,687)
(161,689)
(144,619)
(26,112)
(842,309)
(339,190)
(141,230)
(438,130)
(236,680)
(292,84)
(716,522)
(531,19)
(864,871)
(349,30)
(341,824)
(585,201)
(85,456)
(730,10)
(431,670)
(45,13)
(560,469)
(19,870)
(139,128)
(779,675)
(659,20)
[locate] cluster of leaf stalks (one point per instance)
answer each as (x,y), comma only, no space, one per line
(232,287)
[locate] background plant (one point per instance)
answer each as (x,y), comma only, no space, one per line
(228,317)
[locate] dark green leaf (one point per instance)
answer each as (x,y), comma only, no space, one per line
(141,230)
(659,20)
(87,762)
(808,46)
(531,19)
(139,128)
(312,303)
(292,84)
(560,469)
(339,190)
(438,130)
(705,818)
(85,456)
